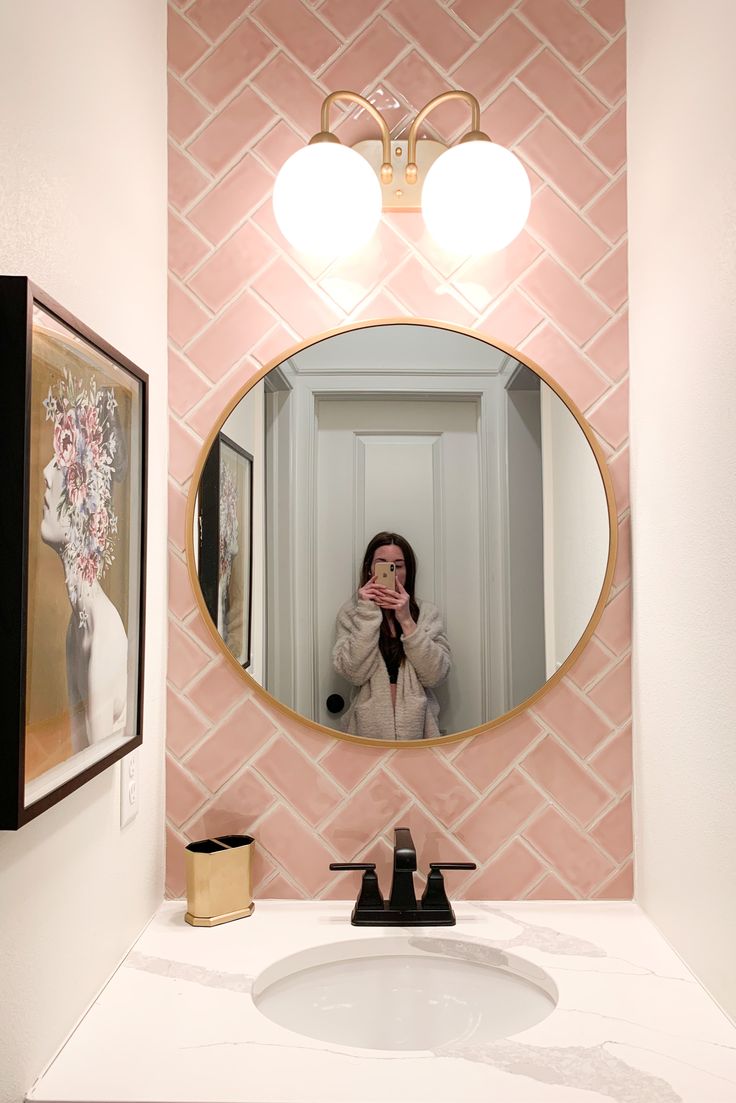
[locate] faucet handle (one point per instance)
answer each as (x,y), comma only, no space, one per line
(369,896)
(435,896)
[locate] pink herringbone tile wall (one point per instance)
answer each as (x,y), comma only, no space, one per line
(541,803)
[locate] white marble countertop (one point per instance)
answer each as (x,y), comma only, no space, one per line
(176,1024)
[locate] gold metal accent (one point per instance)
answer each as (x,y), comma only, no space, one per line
(354,97)
(388,745)
(474,134)
(219,882)
(409,196)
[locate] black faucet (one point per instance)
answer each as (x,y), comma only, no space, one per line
(401,909)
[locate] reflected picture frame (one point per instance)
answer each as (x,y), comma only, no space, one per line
(225,543)
(74,451)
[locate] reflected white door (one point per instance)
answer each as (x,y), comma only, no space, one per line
(409,466)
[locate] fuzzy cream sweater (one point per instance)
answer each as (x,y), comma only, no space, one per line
(356,656)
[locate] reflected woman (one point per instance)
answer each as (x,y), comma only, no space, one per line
(394,649)
(78,522)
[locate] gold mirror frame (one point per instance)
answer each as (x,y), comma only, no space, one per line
(273,702)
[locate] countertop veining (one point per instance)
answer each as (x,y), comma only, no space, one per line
(176,1024)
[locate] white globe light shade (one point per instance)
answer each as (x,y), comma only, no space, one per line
(476,198)
(327,200)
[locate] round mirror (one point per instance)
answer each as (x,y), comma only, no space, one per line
(402,532)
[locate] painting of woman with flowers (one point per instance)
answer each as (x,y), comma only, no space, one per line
(84,574)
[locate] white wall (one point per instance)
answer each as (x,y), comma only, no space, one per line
(682,220)
(82,212)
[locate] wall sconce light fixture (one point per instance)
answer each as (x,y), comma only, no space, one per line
(474,196)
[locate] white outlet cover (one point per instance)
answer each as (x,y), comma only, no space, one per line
(129,789)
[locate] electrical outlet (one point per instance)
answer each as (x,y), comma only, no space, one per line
(129,787)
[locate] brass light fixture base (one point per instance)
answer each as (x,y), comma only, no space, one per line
(215,920)
(398,195)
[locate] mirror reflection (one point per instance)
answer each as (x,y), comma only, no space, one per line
(427,532)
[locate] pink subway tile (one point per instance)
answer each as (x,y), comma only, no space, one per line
(181,598)
(298,30)
(274,345)
(346,15)
(509,115)
(231,131)
(186,316)
(380,305)
(496,59)
(484,758)
(277,145)
(209,412)
(562,93)
(411,227)
(435,783)
(235,809)
(417,82)
(263,869)
(348,282)
(184,726)
(570,852)
(217,690)
(350,762)
(562,162)
(183,796)
(563,298)
(373,50)
(297,98)
(186,181)
(202,631)
(614,830)
(565,28)
(499,816)
(417,288)
(613,761)
(214,17)
(183,451)
(296,847)
(612,694)
(608,144)
(177,504)
(374,805)
(231,63)
(608,211)
(186,249)
(297,780)
(231,266)
(622,570)
(485,278)
(571,717)
(510,320)
(607,74)
(591,664)
(609,351)
(229,336)
(550,888)
(185,386)
(609,14)
(566,365)
(175,870)
(610,279)
(279,888)
(618,469)
(614,627)
(564,232)
(611,418)
(313,266)
(184,44)
(185,112)
(294,300)
(479,15)
(232,743)
(566,779)
(438,34)
(227,204)
(508,876)
(620,887)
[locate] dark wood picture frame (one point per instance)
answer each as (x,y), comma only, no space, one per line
(101,369)
(208,541)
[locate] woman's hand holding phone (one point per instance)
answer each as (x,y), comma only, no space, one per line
(398,602)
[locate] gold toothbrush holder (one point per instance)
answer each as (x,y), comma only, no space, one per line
(219,880)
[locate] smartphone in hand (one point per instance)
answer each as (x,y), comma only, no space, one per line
(386,575)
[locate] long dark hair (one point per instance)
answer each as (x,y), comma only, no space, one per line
(391,646)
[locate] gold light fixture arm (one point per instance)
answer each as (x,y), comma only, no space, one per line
(474,134)
(326,135)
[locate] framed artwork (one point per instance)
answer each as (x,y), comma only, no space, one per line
(225,549)
(72,617)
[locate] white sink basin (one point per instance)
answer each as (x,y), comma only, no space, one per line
(405,993)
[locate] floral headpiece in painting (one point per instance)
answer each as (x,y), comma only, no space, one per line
(86,442)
